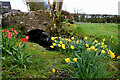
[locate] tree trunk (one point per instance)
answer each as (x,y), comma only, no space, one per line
(55,15)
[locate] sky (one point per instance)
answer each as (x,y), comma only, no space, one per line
(82,6)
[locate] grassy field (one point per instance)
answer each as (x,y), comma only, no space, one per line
(43,61)
(99,31)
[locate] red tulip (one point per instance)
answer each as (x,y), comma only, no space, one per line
(11,29)
(16,33)
(24,40)
(8,36)
(7,31)
(65,17)
(27,37)
(3,30)
(15,30)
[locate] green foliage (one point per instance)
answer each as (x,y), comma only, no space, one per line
(14,52)
(92,56)
(44,61)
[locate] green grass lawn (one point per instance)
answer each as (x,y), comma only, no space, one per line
(99,31)
(43,61)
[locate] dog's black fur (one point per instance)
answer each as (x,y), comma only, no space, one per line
(40,37)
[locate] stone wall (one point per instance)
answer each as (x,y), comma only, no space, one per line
(32,20)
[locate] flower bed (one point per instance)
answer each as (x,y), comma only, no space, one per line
(14,49)
(89,56)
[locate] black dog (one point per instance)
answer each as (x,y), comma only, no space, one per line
(40,37)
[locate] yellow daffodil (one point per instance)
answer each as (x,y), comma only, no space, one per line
(112,42)
(88,49)
(52,38)
(102,46)
(52,46)
(67,60)
(63,46)
(96,41)
(87,45)
(112,55)
(60,42)
(75,59)
(72,47)
(118,57)
(56,37)
(99,43)
(109,51)
(105,46)
(59,45)
(111,37)
(102,43)
(85,38)
(102,51)
(69,40)
(77,41)
(104,40)
(95,50)
(66,39)
(92,47)
(72,38)
(53,70)
(59,37)
(96,45)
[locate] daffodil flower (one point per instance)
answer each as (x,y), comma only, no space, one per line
(88,49)
(87,45)
(52,38)
(52,46)
(72,47)
(112,55)
(72,38)
(53,70)
(118,57)
(75,59)
(92,47)
(85,38)
(67,60)
(60,42)
(102,51)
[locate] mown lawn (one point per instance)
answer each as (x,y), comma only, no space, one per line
(99,31)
